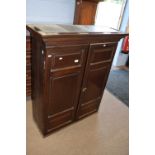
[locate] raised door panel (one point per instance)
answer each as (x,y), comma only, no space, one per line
(94,85)
(95,78)
(63,93)
(62,100)
(92,91)
(66,67)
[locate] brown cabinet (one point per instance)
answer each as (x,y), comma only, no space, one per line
(70,67)
(85,11)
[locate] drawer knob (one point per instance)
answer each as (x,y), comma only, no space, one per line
(104,45)
(60,58)
(49,56)
(84,89)
(76,60)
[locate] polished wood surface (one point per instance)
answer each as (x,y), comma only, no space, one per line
(85,11)
(57,30)
(65,77)
(96,73)
(69,74)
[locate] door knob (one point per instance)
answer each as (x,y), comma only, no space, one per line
(60,58)
(49,56)
(84,89)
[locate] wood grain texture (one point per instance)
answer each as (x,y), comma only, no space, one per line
(97,69)
(85,11)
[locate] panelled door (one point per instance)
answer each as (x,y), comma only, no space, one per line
(65,67)
(96,73)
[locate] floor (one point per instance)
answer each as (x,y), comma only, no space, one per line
(118,84)
(103,133)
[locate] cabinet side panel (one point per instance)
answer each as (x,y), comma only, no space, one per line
(37,82)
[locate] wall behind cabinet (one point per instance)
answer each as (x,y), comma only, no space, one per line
(50,11)
(120,59)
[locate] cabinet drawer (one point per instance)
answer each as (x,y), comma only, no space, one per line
(67,56)
(59,120)
(66,60)
(102,52)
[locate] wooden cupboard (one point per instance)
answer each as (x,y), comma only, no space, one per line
(85,12)
(70,67)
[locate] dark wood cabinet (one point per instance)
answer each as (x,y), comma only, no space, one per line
(85,11)
(70,67)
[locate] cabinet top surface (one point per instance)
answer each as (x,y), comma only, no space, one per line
(57,29)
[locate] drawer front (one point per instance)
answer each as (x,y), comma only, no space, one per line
(67,60)
(102,52)
(69,56)
(60,120)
